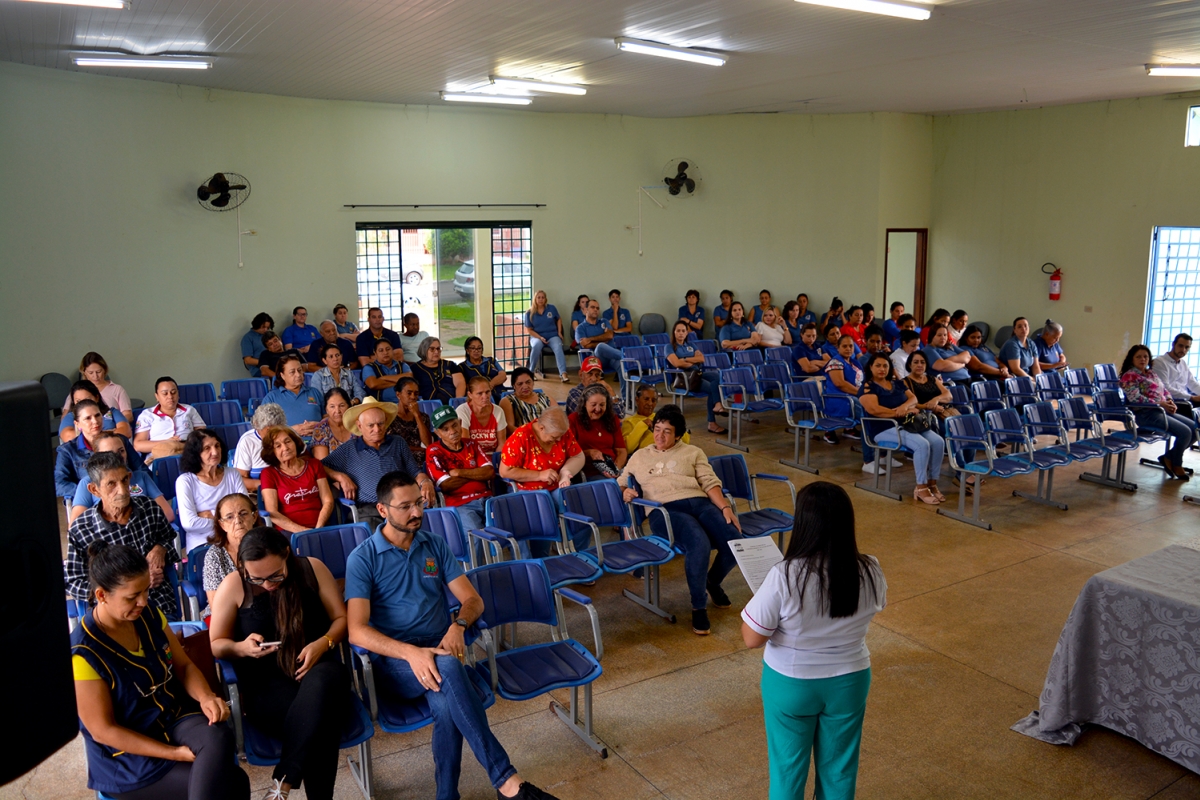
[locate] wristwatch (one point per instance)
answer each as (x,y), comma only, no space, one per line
(462,623)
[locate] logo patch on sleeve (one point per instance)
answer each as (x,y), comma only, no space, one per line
(431,567)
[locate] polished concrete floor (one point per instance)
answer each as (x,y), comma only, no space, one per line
(958,656)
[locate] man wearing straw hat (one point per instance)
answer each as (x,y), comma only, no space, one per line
(357,466)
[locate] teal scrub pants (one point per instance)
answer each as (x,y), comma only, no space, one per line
(822,717)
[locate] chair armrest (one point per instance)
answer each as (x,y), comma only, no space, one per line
(345,502)
(651,507)
(799,401)
(568,544)
(228,674)
(733,389)
(868,421)
(497,537)
(586,602)
(768,476)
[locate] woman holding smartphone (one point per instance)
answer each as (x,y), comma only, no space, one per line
(279,616)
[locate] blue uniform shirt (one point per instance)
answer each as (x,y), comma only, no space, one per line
(377,370)
(544,324)
(691,316)
(297,337)
(252,347)
(720,312)
(623,317)
(891,332)
(1025,355)
(804,351)
(578,316)
(349,327)
(307,405)
(806,318)
(587,330)
(932,354)
(1048,354)
(984,354)
(406,589)
(733,332)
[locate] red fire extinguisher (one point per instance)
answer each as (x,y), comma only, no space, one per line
(1055,280)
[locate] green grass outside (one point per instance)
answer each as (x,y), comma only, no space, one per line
(445,272)
(459,341)
(461,312)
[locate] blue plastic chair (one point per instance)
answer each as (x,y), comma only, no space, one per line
(1051,388)
(244,390)
(1006,425)
(623,340)
(872,429)
(191,582)
(960,398)
(675,383)
(165,471)
(652,339)
(520,591)
(1042,419)
(773,376)
(708,347)
(748,358)
(445,523)
(1106,377)
(804,407)
(455,402)
(1078,382)
(429,406)
(332,544)
(778,354)
(987,396)
(230,434)
(1108,406)
(638,364)
(740,382)
(717,362)
(1076,415)
(193,393)
(526,517)
(1019,392)
(220,412)
(738,484)
(968,434)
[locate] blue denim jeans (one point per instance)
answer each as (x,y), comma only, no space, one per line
(610,357)
(928,449)
(457,714)
(535,354)
(1182,429)
(710,384)
(699,527)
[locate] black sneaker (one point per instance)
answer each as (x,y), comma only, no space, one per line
(830,438)
(719,598)
(700,624)
(851,433)
(527,791)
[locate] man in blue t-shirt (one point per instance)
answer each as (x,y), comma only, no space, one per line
(396,586)
(594,334)
(252,343)
(618,319)
(364,345)
(300,335)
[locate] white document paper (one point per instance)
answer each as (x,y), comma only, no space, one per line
(755,557)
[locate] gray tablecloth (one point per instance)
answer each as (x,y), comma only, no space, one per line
(1129,659)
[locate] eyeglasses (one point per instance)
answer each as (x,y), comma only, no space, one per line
(406,507)
(278,577)
(150,692)
(238,517)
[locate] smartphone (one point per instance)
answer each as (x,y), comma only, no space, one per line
(269,644)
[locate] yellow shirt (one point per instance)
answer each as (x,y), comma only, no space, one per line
(636,430)
(85,672)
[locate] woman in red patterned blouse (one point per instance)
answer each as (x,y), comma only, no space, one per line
(542,454)
(1143,387)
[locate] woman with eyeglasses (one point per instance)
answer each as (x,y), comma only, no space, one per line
(236,514)
(152,727)
(278,617)
(477,365)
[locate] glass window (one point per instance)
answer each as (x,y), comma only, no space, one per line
(1173,294)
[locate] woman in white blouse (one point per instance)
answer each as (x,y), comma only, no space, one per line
(203,480)
(772,329)
(812,613)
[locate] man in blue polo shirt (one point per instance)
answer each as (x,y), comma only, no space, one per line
(620,320)
(594,334)
(364,345)
(252,343)
(300,335)
(396,584)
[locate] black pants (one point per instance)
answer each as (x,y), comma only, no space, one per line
(308,716)
(214,775)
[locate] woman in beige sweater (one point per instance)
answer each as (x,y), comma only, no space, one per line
(678,475)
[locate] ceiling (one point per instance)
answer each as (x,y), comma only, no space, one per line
(783,56)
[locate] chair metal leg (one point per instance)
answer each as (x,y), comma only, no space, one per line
(571,717)
(796,463)
(1105,478)
(1191,498)
(361,771)
(735,421)
(961,514)
(883,459)
(1045,487)
(649,598)
(1154,462)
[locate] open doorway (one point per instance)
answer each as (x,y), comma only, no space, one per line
(904,271)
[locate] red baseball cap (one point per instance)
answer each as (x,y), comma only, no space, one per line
(592,363)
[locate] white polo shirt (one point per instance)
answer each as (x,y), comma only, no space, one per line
(805,641)
(163,426)
(248,453)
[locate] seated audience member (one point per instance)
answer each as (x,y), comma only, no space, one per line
(161,430)
(957,327)
(384,372)
(619,320)
(944,359)
(330,433)
(702,520)
(412,337)
(236,516)
(589,375)
(854,327)
(335,374)
(152,727)
(906,322)
(268,359)
(737,333)
(636,427)
(279,619)
(523,404)
(772,331)
(684,355)
(692,312)
(891,326)
(411,423)
(873,336)
(834,315)
(542,454)
(252,342)
(543,326)
(868,315)
(1050,352)
(1173,370)
(302,405)
(886,398)
(809,359)
(141,483)
(1142,386)
(1019,353)
(812,613)
(295,491)
(329,335)
(983,361)
(247,456)
(721,312)
(203,480)
(477,365)
(396,586)
(357,466)
(909,342)
(578,315)
(791,318)
(94,369)
(594,334)
(462,471)
(437,378)
(806,315)
(844,376)
(927,387)
(113,419)
(346,329)
(939,317)
(120,518)
(764,304)
(300,335)
(833,335)
(483,421)
(598,431)
(364,345)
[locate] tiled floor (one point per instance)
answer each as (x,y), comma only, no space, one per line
(958,656)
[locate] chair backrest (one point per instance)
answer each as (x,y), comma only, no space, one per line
(308,376)
(243,389)
(1050,384)
(455,402)
(775,374)
(220,412)
(652,324)
(166,470)
(804,390)
(193,569)
(623,340)
(1109,400)
(445,523)
(1106,376)
(966,426)
(752,357)
(601,500)
(984,328)
(986,395)
(778,354)
(1003,335)
(514,591)
(332,544)
(429,406)
(526,515)
(643,355)
(731,470)
(707,346)
(655,338)
(717,361)
(57,387)
(738,376)
(1020,391)
(1043,416)
(1004,419)
(960,395)
(193,393)
(1076,414)
(1079,382)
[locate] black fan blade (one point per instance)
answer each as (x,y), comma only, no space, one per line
(221,200)
(690,184)
(218,183)
(237,187)
(673,189)
(683,165)
(203,193)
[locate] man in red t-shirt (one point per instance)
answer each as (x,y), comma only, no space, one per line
(460,469)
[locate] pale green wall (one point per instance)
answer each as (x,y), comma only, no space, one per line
(104,246)
(1082,186)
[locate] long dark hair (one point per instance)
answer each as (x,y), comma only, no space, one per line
(256,545)
(823,547)
(110,565)
(85,385)
(608,419)
(1127,364)
(193,447)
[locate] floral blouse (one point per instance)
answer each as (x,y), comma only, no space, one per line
(323,435)
(409,432)
(1143,387)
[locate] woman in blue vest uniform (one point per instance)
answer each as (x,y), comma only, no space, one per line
(152,727)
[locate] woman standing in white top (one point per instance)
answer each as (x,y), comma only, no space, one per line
(203,480)
(812,613)
(772,329)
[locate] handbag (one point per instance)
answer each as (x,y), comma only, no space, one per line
(917,422)
(687,379)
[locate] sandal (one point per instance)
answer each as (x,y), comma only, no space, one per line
(933,488)
(927,497)
(717,429)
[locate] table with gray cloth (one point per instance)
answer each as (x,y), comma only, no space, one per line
(1129,659)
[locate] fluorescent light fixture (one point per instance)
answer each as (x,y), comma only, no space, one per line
(667,51)
(1173,70)
(875,7)
(117,4)
(163,62)
(532,85)
(460,97)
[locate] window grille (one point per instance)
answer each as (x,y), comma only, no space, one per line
(1173,295)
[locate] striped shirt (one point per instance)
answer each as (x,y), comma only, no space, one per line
(365,465)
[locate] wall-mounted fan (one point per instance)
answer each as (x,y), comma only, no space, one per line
(682,177)
(226,191)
